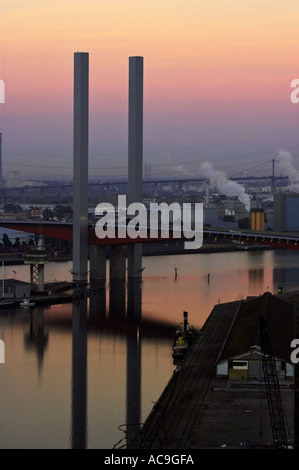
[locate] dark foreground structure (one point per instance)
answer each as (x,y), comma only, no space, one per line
(219,396)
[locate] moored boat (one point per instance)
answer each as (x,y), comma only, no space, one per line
(179,347)
(27,303)
(183,339)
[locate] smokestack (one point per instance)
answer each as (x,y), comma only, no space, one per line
(285,160)
(225,185)
(273,177)
(207,192)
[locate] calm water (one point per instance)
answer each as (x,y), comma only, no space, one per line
(65,384)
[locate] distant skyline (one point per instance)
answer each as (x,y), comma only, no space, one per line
(217,81)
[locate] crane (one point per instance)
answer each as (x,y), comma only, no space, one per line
(272,388)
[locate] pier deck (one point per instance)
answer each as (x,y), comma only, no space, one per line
(197,410)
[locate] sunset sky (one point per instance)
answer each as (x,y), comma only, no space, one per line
(217,80)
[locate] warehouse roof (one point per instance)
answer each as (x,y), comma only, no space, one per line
(245,331)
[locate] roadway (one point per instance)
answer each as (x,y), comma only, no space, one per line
(64,231)
(287,240)
(123,181)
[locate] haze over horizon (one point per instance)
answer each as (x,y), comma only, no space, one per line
(217,81)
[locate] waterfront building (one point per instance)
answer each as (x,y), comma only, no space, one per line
(286,209)
(241,355)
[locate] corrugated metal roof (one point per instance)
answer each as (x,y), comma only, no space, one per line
(245,331)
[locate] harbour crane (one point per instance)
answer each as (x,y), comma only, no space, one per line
(272,388)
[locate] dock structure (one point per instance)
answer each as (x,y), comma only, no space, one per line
(37,258)
(173,419)
(198,410)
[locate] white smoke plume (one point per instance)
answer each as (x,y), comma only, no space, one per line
(285,161)
(220,180)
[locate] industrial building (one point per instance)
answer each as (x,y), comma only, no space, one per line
(286,209)
(14,288)
(232,390)
(241,355)
(257,219)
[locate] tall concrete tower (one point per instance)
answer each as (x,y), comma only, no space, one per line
(80,166)
(1,180)
(135,154)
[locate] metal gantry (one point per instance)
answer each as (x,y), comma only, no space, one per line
(272,388)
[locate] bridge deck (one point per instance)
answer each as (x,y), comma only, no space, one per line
(64,231)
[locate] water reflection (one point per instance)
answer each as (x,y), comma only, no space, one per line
(285,278)
(256,276)
(79,371)
(128,361)
(117,298)
(117,308)
(133,401)
(97,303)
(38,335)
(134,302)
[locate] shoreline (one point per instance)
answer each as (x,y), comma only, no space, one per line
(210,249)
(14,259)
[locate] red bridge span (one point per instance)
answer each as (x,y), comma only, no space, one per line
(64,231)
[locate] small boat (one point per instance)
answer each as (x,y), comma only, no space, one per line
(27,303)
(180,346)
(183,339)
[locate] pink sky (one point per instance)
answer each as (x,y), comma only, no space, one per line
(217,80)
